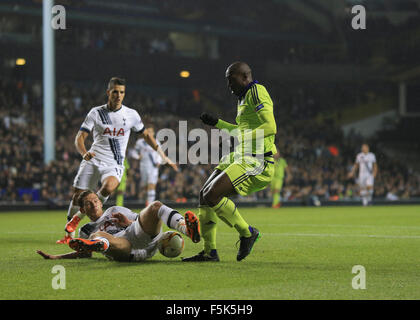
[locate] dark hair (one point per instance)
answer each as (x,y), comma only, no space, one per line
(82,197)
(116,81)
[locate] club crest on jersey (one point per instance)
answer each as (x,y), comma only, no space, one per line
(114,133)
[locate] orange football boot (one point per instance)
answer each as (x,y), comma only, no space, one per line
(65,240)
(86,245)
(71,226)
(193,226)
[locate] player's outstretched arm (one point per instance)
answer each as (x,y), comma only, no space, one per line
(213,121)
(71,255)
(150,140)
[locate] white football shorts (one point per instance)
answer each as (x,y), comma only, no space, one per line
(366,180)
(92,172)
(138,238)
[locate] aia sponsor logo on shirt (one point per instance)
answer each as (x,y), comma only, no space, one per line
(114,132)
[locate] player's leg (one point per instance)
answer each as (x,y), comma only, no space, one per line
(109,185)
(121,190)
(208,218)
(151,222)
(117,248)
(144,178)
(369,189)
(276,186)
(276,198)
(153,215)
(364,193)
(208,225)
(87,177)
(152,179)
(71,211)
(216,195)
(151,193)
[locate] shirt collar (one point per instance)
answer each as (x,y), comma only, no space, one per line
(247,88)
(109,110)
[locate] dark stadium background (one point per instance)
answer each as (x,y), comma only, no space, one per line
(333,88)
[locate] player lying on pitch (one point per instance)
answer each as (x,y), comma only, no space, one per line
(123,235)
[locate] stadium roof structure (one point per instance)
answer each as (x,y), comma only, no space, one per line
(303,21)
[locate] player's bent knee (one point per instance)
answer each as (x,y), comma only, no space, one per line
(155,206)
(151,212)
(107,190)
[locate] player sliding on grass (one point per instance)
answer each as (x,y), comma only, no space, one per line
(240,172)
(123,235)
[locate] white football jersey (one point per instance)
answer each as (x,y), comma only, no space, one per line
(365,161)
(105,223)
(149,157)
(111,131)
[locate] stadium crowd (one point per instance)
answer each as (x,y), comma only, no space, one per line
(318,153)
(104,37)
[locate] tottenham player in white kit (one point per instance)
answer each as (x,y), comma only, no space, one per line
(368,169)
(122,235)
(150,161)
(111,125)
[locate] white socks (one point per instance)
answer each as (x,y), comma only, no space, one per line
(172,218)
(151,195)
(366,196)
(73,209)
(104,240)
(370,192)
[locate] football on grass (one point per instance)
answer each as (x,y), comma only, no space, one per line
(171,244)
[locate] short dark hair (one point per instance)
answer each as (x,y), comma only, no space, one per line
(82,197)
(116,81)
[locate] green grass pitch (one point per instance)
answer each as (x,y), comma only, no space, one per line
(304,253)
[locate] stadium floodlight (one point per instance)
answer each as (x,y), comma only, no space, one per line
(184,74)
(49,81)
(20,61)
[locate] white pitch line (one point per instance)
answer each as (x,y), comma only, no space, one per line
(337,225)
(29,232)
(340,235)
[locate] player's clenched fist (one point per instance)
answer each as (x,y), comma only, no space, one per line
(208,119)
(88,155)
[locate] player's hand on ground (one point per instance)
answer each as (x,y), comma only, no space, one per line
(208,119)
(88,155)
(45,255)
(121,220)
